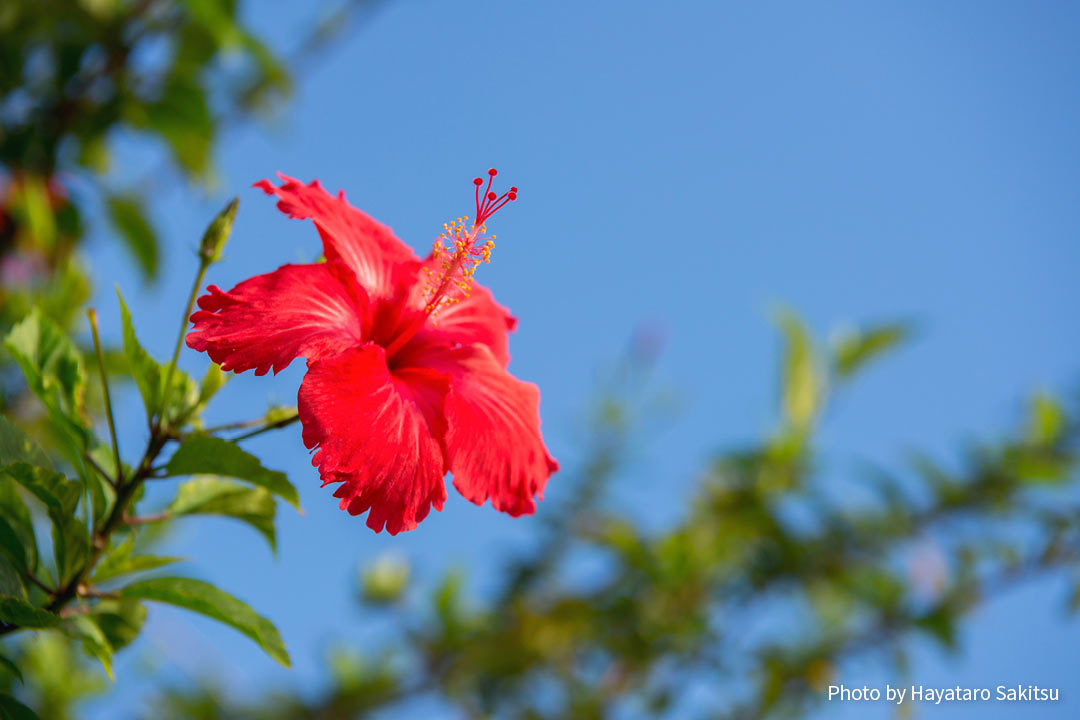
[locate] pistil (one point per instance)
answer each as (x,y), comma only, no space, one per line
(459,250)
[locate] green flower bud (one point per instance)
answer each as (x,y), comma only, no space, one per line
(213,241)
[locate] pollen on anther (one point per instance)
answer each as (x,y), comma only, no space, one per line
(462,247)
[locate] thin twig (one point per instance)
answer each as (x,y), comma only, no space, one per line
(144,519)
(167,387)
(100,470)
(85,592)
(239,425)
(39,582)
(267,428)
(91,313)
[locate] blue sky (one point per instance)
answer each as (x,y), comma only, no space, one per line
(691,164)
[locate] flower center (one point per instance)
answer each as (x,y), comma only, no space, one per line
(461,248)
(457,252)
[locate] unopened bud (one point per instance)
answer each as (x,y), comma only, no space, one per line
(213,241)
(385,581)
(279,413)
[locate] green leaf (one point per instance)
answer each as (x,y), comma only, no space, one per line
(120,621)
(71,546)
(15,446)
(182,118)
(211,496)
(447,599)
(11,579)
(854,350)
(212,381)
(54,372)
(1047,420)
(183,398)
(144,369)
(16,611)
(67,291)
(149,376)
(940,624)
(133,564)
(126,215)
(17,538)
(12,547)
(94,154)
(205,455)
(12,709)
(120,561)
(94,642)
(12,669)
(215,19)
(38,210)
(802,382)
(206,599)
(71,540)
(50,487)
(101,492)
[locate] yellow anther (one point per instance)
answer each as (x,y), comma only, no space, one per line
(460,249)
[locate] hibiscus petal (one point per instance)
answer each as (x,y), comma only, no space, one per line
(377,433)
(478,318)
(475,319)
(367,246)
(493,441)
(268,320)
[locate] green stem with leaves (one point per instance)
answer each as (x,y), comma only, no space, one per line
(160,430)
(171,371)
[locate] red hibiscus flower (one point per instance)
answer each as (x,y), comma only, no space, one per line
(406,362)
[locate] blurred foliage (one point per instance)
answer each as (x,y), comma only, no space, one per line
(76,76)
(748,606)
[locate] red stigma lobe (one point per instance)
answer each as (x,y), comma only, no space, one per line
(490,202)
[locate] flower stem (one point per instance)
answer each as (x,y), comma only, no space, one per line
(92,315)
(167,387)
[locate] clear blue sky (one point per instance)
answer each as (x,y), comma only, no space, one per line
(688,163)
